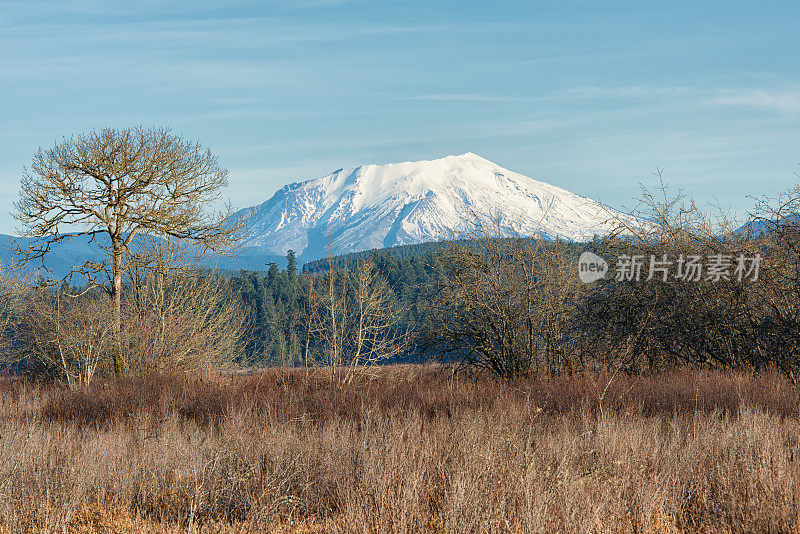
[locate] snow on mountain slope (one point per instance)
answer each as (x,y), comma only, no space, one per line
(376,206)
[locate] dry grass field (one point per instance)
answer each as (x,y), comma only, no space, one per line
(414,449)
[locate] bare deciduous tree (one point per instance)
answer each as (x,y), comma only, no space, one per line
(112,185)
(354,317)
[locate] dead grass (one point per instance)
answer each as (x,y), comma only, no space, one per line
(412,450)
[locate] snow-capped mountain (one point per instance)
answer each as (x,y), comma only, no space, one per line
(377,206)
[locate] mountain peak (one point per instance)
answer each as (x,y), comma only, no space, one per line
(472,156)
(465,158)
(377,206)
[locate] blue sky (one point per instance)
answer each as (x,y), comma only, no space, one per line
(590,96)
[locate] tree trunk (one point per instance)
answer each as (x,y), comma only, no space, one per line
(116,309)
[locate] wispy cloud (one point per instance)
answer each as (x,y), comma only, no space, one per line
(784,102)
(306,4)
(464,97)
(633,91)
(237,33)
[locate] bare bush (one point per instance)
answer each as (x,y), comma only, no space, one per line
(179,315)
(741,319)
(13,288)
(69,337)
(775,310)
(504,304)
